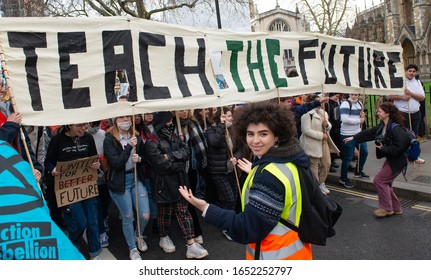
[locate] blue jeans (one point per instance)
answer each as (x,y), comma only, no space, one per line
(126,203)
(347,155)
(80,216)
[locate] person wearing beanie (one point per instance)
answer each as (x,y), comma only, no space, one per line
(168,154)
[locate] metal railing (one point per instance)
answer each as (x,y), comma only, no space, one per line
(371,108)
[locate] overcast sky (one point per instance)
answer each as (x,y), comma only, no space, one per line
(265,5)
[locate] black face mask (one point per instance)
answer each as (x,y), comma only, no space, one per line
(170,127)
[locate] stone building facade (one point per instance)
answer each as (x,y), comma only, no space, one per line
(403,22)
(279,20)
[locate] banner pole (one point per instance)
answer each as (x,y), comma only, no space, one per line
(180,130)
(15,109)
(228,141)
(359,145)
(205,119)
(135,171)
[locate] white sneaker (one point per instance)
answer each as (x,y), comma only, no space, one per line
(140,242)
(96,258)
(104,240)
(227,235)
(324,189)
(134,255)
(199,239)
(196,251)
(166,244)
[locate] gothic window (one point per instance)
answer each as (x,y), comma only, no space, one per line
(279,25)
(408,52)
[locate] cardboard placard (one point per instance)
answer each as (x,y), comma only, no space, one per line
(76,182)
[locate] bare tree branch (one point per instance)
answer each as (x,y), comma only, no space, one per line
(327,16)
(126,9)
(173,7)
(136,8)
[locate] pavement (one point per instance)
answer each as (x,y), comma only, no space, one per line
(416,187)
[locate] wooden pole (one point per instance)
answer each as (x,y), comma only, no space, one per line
(135,171)
(180,130)
(15,109)
(359,145)
(205,119)
(230,148)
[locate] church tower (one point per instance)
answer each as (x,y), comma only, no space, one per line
(392,21)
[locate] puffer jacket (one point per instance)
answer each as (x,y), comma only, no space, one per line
(117,158)
(167,156)
(217,149)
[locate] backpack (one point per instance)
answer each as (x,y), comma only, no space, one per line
(414,150)
(319,212)
(350,105)
(364,125)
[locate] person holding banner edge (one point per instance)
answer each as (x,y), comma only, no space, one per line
(118,147)
(409,102)
(70,143)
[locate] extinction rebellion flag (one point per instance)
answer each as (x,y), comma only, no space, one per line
(26,229)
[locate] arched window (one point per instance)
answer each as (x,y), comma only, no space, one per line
(409,56)
(279,25)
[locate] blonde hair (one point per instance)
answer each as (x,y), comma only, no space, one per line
(116,133)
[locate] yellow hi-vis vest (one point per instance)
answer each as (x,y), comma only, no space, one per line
(281,243)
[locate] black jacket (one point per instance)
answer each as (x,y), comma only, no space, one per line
(217,149)
(167,155)
(117,158)
(63,148)
(395,144)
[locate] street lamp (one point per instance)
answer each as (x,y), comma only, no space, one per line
(218,14)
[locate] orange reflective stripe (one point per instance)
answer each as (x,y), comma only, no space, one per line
(275,247)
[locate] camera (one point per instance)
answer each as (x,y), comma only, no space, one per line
(379,140)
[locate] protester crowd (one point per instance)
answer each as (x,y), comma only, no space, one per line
(142,166)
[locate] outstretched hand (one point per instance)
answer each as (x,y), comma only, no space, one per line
(196,202)
(244,165)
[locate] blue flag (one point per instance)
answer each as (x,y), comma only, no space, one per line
(26,229)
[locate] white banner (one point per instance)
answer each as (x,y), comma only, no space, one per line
(65,70)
